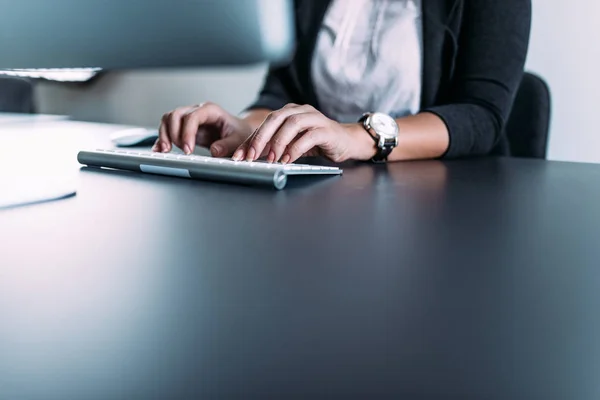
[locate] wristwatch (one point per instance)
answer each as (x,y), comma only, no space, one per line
(384,130)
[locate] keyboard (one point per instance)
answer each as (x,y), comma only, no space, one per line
(202,167)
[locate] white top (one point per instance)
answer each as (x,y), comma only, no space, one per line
(368,58)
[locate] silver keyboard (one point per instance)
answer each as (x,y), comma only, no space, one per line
(201,167)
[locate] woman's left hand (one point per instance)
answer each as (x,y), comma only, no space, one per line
(295,131)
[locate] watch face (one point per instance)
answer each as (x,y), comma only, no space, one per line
(384,125)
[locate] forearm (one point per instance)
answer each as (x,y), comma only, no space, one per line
(422,136)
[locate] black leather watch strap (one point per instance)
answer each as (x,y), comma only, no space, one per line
(383,152)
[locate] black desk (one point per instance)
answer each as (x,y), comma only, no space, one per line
(462,280)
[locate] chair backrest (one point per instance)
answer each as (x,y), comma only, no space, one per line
(16,95)
(528,125)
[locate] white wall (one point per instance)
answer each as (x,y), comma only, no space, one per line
(564,50)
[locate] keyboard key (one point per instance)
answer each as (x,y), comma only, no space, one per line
(291,167)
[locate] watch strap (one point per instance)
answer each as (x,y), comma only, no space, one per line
(383,152)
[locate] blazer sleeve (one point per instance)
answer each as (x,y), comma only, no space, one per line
(275,91)
(492,49)
(279,85)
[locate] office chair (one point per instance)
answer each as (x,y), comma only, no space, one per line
(528,125)
(16,95)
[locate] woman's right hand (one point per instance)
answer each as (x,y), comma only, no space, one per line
(206,125)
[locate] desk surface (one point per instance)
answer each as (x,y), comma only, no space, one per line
(458,280)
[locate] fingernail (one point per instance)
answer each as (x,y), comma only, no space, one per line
(186,149)
(216,150)
(271,156)
(237,156)
(250,155)
(164,147)
(285,159)
(155,147)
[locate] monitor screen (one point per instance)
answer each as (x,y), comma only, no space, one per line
(118,34)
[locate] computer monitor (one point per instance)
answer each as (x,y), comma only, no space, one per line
(128,34)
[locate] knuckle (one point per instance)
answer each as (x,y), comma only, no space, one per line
(293,120)
(169,117)
(273,116)
(210,107)
(188,118)
(179,112)
(173,117)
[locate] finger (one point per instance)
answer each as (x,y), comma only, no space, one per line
(207,113)
(268,128)
(293,126)
(305,144)
(205,136)
(285,158)
(162,138)
(163,141)
(225,147)
(314,152)
(240,153)
(172,122)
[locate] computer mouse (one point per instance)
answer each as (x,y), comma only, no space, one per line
(134,137)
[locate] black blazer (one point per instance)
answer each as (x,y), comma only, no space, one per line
(474,56)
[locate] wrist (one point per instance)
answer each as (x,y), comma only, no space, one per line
(363,146)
